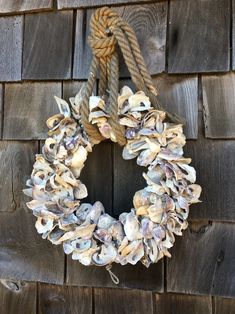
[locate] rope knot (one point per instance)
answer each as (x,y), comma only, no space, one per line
(101,40)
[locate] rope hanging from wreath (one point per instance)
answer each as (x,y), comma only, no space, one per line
(147,132)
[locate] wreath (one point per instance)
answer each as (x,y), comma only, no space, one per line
(151,135)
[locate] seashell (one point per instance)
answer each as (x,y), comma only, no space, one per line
(44,224)
(132,253)
(152,186)
(94,215)
(97,116)
(125,93)
(147,228)
(105,221)
(81,244)
(117,232)
(67,220)
(96,102)
(141,198)
(80,192)
(83,211)
(106,255)
(76,161)
(54,121)
(132,227)
(156,211)
(103,235)
(84,232)
(196,192)
(85,257)
(63,106)
(139,102)
(189,172)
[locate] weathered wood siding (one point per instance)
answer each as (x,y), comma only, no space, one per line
(189,48)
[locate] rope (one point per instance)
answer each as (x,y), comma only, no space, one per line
(114,278)
(108,30)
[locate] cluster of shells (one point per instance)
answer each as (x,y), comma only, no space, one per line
(160,209)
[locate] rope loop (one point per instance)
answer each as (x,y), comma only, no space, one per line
(108,30)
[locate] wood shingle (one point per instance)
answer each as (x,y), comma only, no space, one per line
(11,41)
(27,106)
(199,36)
(48,46)
(16,6)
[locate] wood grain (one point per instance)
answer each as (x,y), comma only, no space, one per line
(71,88)
(54,299)
(24,255)
(17,297)
(215,164)
(219,105)
(203,262)
(48,45)
(149,23)
(11,41)
(16,6)
(233,34)
(169,303)
(1,109)
(15,168)
(117,301)
(128,179)
(27,106)
(224,305)
(132,277)
(179,94)
(199,36)
(73,4)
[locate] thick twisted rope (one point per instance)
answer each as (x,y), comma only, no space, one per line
(108,30)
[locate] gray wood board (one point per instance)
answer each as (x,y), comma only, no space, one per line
(117,301)
(54,299)
(48,41)
(149,23)
(64,4)
(169,303)
(233,34)
(224,305)
(203,261)
(18,297)
(179,94)
(27,106)
(133,277)
(219,105)
(199,36)
(214,163)
(1,109)
(24,255)
(11,41)
(15,168)
(16,6)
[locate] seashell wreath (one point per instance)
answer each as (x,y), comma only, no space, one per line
(147,232)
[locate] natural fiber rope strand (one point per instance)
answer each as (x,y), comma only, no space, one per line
(89,128)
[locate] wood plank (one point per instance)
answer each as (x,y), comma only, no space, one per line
(127,180)
(219,105)
(27,106)
(133,277)
(224,305)
(73,4)
(149,23)
(48,45)
(199,28)
(16,165)
(71,88)
(1,109)
(16,6)
(117,301)
(18,297)
(215,164)
(203,261)
(64,299)
(11,42)
(233,34)
(179,94)
(24,255)
(169,303)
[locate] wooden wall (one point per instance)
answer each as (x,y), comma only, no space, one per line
(189,49)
